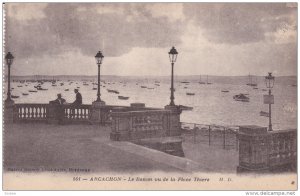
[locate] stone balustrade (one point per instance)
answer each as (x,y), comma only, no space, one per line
(264,151)
(30,112)
(134,125)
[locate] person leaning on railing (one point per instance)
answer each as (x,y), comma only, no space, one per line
(77,102)
(59,110)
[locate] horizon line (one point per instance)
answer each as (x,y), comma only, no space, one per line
(153,75)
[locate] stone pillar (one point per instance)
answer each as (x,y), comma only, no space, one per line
(52,108)
(174,120)
(9,111)
(253,149)
(96,112)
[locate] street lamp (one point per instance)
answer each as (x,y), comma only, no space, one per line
(9,60)
(173,56)
(269,99)
(99,57)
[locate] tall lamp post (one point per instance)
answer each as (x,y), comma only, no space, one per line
(99,57)
(269,99)
(173,56)
(9,60)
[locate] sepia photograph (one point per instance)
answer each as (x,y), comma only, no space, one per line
(149,96)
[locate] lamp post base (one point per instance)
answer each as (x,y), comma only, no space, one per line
(96,111)
(9,111)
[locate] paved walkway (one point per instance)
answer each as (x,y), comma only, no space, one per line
(35,146)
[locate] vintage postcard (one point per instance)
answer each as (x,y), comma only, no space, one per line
(150,96)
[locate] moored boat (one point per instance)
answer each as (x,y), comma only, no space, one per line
(123,98)
(190,93)
(263,113)
(224,91)
(113,91)
(241,97)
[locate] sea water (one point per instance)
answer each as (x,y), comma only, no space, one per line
(210,104)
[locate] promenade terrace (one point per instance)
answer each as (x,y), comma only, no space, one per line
(136,139)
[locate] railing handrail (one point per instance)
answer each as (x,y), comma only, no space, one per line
(139,112)
(231,127)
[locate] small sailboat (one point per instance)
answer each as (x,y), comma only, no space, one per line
(263,113)
(241,97)
(42,89)
(224,91)
(207,80)
(113,91)
(250,83)
(200,82)
(123,98)
(94,88)
(190,94)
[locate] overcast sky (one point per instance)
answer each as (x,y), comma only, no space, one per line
(214,38)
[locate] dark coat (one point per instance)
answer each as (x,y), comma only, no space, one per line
(59,101)
(78,100)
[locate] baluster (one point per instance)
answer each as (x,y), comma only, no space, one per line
(43,112)
(20,112)
(25,112)
(84,113)
(81,112)
(29,112)
(40,112)
(30,109)
(66,112)
(33,112)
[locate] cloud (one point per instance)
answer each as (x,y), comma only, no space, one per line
(113,28)
(238,23)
